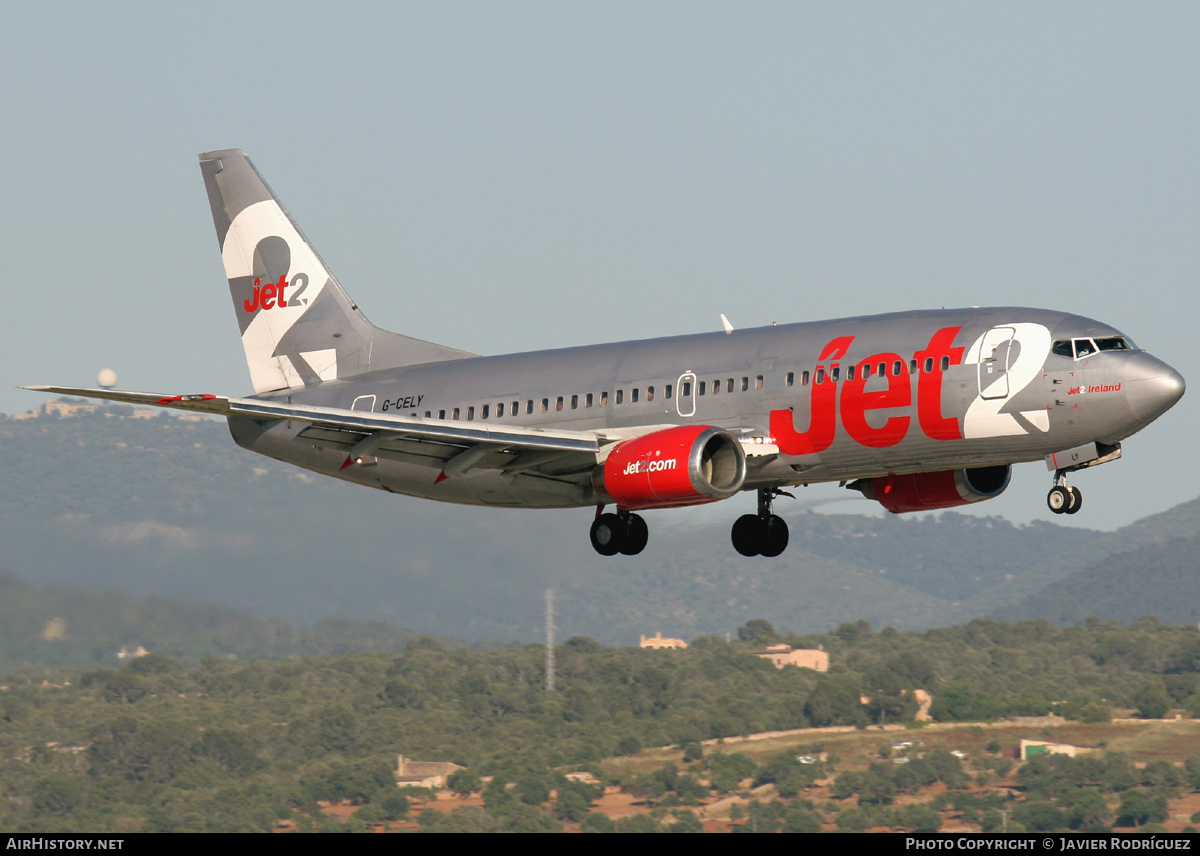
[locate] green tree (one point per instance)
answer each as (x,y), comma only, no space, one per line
(758,631)
(1152,701)
(1138,809)
(1090,813)
(464,782)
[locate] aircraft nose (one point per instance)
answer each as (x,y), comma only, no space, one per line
(1153,387)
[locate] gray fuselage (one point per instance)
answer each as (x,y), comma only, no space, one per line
(958,388)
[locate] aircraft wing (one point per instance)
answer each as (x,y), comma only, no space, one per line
(452,447)
(196,403)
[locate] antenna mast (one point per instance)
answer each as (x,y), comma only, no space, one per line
(549,641)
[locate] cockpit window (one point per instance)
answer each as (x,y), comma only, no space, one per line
(1114,343)
(1085,347)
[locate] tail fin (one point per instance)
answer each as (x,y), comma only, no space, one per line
(298,325)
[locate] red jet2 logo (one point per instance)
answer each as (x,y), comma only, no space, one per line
(272,294)
(856,402)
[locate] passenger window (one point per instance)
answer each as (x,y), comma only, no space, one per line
(928,365)
(687,388)
(758,382)
(649,393)
(484,414)
(729,385)
(790,379)
(604,399)
(574,402)
(881,369)
(866,371)
(701,390)
(745,384)
(427,414)
(945,363)
(470,414)
(545,406)
(587,401)
(820,375)
(620,396)
(516,406)
(441,414)
(849,372)
(804,378)
(667,391)
(529,405)
(912,366)
(633,396)
(834,373)
(558,404)
(897,368)
(454,415)
(716,387)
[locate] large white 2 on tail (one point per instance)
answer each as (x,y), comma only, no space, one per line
(299,327)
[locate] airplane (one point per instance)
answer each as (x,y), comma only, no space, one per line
(917,410)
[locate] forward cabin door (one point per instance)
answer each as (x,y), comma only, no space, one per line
(996,356)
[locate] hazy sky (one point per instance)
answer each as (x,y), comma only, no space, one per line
(517,176)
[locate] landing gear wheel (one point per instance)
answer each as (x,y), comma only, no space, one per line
(762,534)
(607,534)
(749,533)
(1076,500)
(776,539)
(1059,499)
(636,535)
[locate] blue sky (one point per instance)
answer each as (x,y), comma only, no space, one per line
(517,176)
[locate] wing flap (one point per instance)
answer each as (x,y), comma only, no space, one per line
(453,433)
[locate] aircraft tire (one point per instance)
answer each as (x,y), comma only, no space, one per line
(1076,501)
(636,536)
(606,534)
(748,534)
(776,537)
(1058,500)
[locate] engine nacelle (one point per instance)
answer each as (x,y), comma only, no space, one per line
(688,465)
(926,491)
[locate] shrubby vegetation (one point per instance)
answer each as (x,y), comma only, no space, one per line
(238,746)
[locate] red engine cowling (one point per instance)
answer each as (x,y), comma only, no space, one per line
(688,465)
(926,491)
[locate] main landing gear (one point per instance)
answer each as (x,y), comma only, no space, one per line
(623,532)
(1064,499)
(762,534)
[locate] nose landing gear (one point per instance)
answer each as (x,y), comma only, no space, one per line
(762,534)
(1064,499)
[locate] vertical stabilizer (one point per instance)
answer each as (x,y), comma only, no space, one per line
(298,325)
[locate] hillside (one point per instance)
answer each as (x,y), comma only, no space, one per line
(162,506)
(1159,580)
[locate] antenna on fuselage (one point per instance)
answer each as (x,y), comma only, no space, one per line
(725,323)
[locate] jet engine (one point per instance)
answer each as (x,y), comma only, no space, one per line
(688,465)
(926,491)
